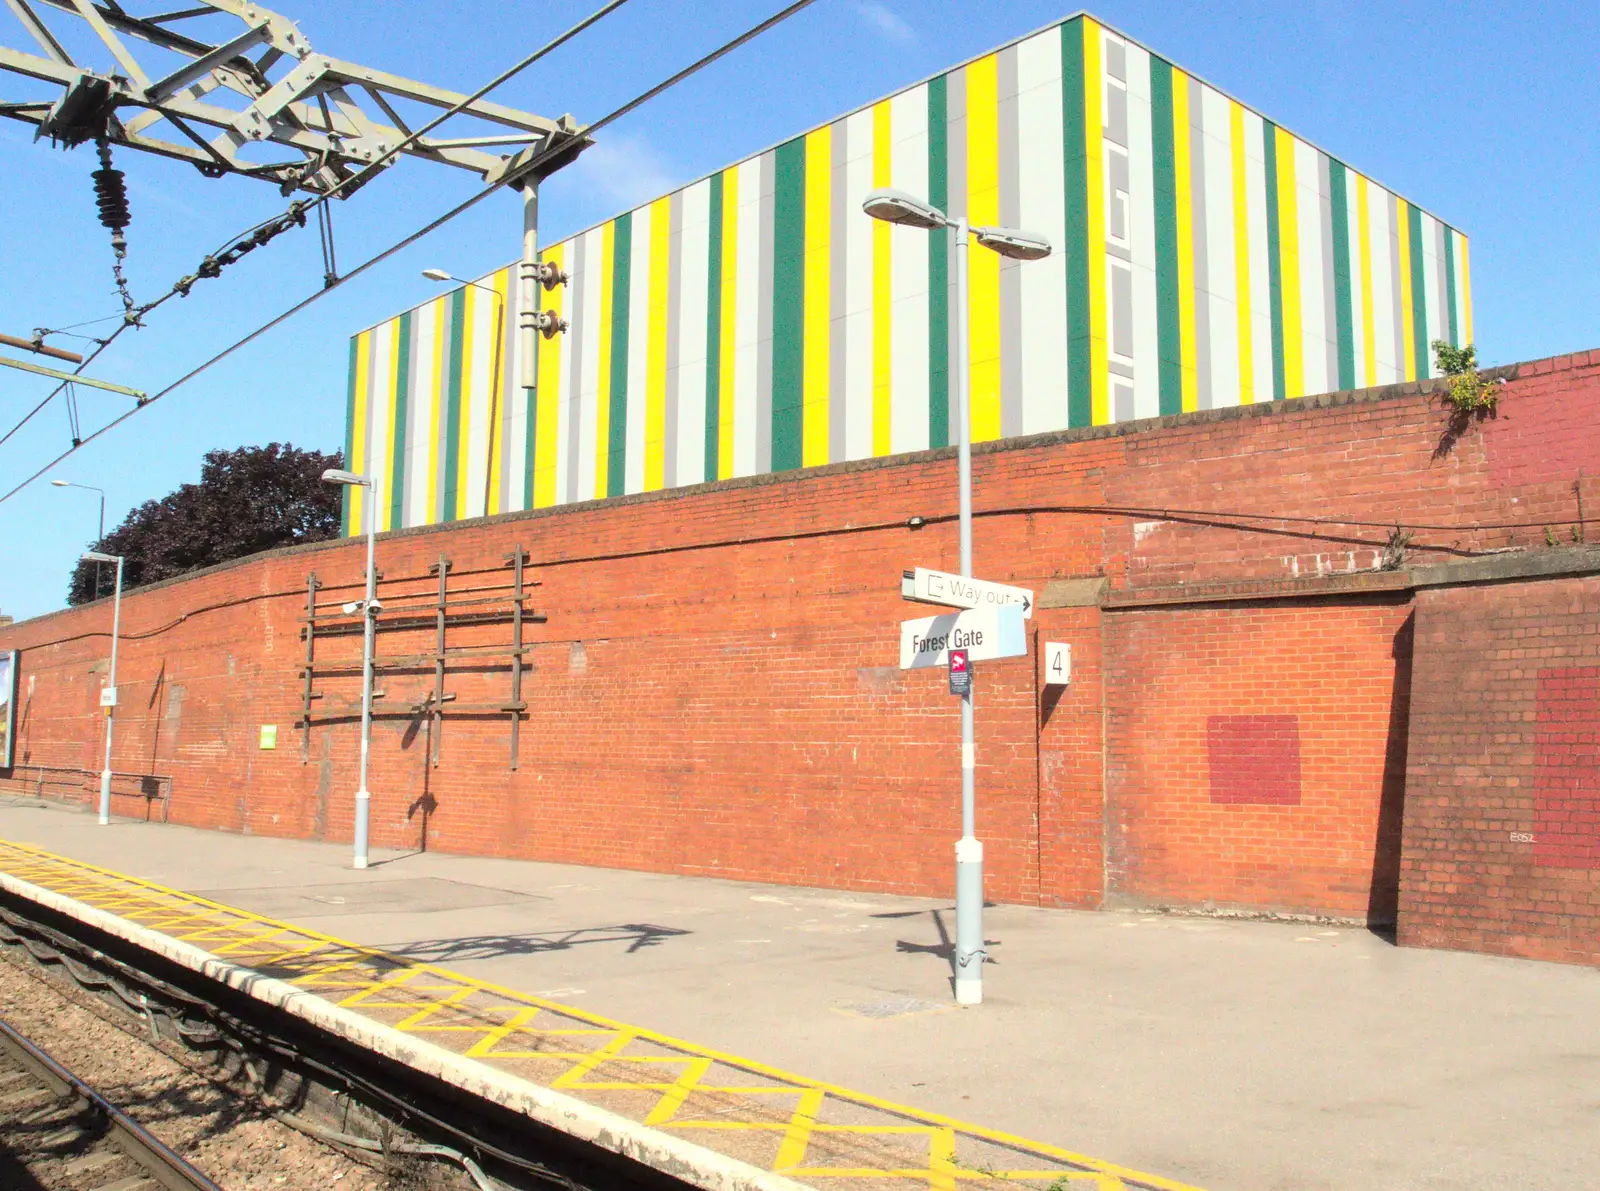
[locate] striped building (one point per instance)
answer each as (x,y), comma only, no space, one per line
(757,320)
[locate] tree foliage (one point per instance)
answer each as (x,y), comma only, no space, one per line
(247,500)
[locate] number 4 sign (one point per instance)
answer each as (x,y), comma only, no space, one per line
(1057,663)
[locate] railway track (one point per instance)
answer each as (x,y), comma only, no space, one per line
(57,1132)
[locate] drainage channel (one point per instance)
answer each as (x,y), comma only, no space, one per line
(356,1101)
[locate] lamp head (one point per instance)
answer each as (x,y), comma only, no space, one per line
(96,556)
(335,476)
(61,483)
(1009,241)
(437,275)
(896,206)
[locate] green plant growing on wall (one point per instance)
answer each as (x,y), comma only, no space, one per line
(1468,395)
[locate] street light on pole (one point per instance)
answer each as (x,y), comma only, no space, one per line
(102,535)
(895,206)
(108,697)
(369,609)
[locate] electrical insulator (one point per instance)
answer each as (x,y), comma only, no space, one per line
(110,192)
(547,275)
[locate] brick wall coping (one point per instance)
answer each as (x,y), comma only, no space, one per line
(1289,407)
(1510,566)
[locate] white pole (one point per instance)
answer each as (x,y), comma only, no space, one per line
(969,851)
(363,796)
(116,627)
(527,316)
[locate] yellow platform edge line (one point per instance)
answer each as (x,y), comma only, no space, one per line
(640,1033)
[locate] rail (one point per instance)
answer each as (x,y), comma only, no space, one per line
(161,1163)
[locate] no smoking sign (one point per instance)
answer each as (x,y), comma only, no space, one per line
(960,673)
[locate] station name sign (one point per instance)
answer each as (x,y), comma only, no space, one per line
(985,633)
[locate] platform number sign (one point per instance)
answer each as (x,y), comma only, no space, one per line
(960,673)
(1057,663)
(8,707)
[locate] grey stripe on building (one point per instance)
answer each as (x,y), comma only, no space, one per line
(416,461)
(1330,297)
(1395,232)
(955,125)
(669,429)
(1202,262)
(764,280)
(574,396)
(840,213)
(1442,289)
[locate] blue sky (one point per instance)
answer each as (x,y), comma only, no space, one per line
(1482,113)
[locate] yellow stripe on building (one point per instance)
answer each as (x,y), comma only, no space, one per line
(1241,255)
(441,338)
(1184,184)
(815,376)
(730,324)
(362,428)
(547,397)
(1369,326)
(464,429)
(1408,327)
(1466,298)
(655,381)
(983,266)
(498,390)
(882,285)
(1094,147)
(391,406)
(602,434)
(1294,370)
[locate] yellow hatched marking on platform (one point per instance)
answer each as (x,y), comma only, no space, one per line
(478,1018)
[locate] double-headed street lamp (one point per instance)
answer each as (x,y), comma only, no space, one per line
(369,609)
(102,535)
(108,697)
(895,206)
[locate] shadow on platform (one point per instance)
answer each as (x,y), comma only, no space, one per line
(635,935)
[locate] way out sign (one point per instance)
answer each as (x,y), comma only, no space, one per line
(984,633)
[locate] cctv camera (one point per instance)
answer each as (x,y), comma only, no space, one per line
(351,608)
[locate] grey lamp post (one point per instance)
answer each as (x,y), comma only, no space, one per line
(102,535)
(369,609)
(109,696)
(894,206)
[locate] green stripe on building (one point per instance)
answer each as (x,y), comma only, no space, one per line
(939,266)
(788,303)
(1169,341)
(1269,150)
(452,416)
(1450,285)
(1419,291)
(349,439)
(621,302)
(402,377)
(714,332)
(1076,155)
(1343,305)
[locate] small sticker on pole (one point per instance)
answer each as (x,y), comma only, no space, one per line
(960,673)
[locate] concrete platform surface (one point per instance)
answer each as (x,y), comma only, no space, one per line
(1237,1056)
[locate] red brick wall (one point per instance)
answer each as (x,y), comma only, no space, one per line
(1502,820)
(716,691)
(1256,755)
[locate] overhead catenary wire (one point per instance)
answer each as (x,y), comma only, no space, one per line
(297,211)
(459,209)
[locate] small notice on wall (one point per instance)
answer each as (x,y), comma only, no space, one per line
(269,736)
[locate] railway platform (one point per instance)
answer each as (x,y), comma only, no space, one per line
(1114,1049)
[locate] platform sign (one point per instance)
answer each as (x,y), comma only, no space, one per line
(8,707)
(957,591)
(108,696)
(1057,663)
(984,633)
(960,673)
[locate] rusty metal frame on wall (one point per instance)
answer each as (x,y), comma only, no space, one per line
(416,611)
